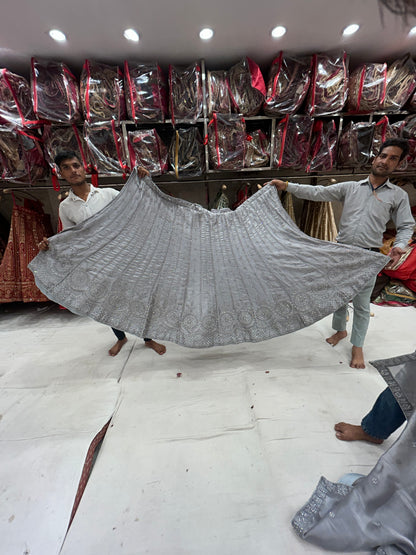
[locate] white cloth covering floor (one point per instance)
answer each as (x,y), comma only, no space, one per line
(210,451)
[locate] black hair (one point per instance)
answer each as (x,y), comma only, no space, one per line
(400,143)
(65,155)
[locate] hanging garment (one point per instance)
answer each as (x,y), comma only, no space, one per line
(28,226)
(161,267)
(379,511)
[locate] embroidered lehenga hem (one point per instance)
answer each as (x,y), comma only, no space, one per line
(161,267)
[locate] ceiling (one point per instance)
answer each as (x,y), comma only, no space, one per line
(169,30)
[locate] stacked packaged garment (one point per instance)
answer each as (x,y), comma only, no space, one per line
(185,93)
(186,152)
(21,156)
(323,146)
(247,87)
(382,132)
(292,142)
(408,132)
(58,138)
(148,150)
(354,146)
(145,92)
(257,150)
(329,85)
(106,149)
(227,142)
(102,93)
(289,80)
(16,106)
(55,92)
(401,83)
(367,88)
(218,95)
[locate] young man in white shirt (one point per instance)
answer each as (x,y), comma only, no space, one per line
(84,201)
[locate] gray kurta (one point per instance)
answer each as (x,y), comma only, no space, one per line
(379,512)
(161,267)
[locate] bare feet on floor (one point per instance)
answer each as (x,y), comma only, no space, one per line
(349,432)
(357,357)
(157,347)
(336,338)
(116,348)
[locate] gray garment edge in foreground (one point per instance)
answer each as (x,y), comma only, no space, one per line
(161,267)
(379,511)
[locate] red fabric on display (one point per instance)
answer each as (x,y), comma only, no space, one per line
(28,226)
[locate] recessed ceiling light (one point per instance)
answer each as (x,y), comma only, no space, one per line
(412,32)
(278,32)
(350,30)
(131,34)
(206,34)
(55,34)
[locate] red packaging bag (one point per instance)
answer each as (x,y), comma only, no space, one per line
(227,142)
(292,142)
(145,92)
(21,156)
(329,84)
(247,87)
(55,92)
(289,80)
(185,93)
(367,88)
(16,106)
(102,93)
(323,146)
(106,148)
(147,149)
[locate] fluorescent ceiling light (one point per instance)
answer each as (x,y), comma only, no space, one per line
(412,32)
(278,32)
(55,34)
(350,30)
(131,34)
(206,34)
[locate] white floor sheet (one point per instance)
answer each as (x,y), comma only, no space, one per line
(210,451)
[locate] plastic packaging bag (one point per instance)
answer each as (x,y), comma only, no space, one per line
(147,149)
(58,138)
(354,146)
(292,142)
(257,150)
(382,132)
(186,152)
(21,156)
(247,87)
(102,93)
(289,80)
(218,92)
(185,93)
(329,85)
(226,142)
(55,92)
(106,149)
(367,88)
(401,83)
(323,146)
(145,92)
(16,105)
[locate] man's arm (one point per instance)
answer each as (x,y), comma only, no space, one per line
(405,225)
(311,192)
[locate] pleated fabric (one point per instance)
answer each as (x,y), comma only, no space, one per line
(161,267)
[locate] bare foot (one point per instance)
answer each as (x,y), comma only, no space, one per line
(157,347)
(357,357)
(349,432)
(336,338)
(116,348)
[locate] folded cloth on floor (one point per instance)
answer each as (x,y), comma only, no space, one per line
(161,267)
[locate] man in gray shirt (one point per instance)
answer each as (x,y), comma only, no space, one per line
(367,207)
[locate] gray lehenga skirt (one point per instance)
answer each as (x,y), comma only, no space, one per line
(161,267)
